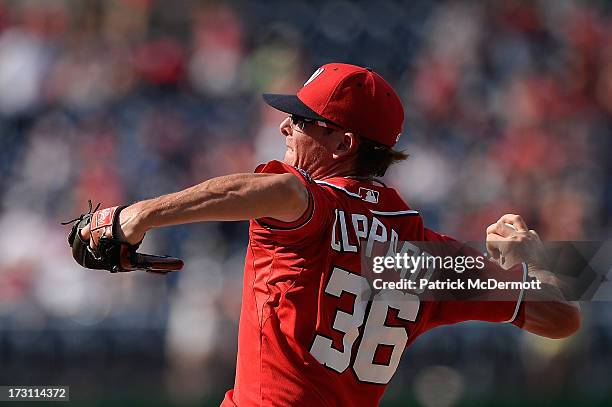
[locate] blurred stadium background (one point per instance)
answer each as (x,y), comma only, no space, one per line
(508,108)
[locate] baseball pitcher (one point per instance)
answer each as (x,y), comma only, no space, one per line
(312,332)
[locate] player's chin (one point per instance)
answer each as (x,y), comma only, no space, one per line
(289,157)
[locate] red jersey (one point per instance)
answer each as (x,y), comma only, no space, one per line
(310,333)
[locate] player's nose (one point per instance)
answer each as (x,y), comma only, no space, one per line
(285,127)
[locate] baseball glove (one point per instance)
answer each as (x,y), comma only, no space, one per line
(105,252)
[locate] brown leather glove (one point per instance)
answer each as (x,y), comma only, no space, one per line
(105,252)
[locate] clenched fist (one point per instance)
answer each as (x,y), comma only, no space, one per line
(510,242)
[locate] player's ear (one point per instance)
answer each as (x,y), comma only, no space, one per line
(346,145)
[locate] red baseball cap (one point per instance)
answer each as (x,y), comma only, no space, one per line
(354,98)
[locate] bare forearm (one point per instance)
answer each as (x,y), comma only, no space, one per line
(227,198)
(547,312)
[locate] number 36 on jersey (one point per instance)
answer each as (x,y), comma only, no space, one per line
(373,313)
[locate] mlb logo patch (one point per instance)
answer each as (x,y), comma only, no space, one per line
(368,195)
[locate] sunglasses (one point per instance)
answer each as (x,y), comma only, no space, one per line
(300,123)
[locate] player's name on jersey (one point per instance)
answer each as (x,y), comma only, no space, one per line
(352,231)
(449,284)
(358,233)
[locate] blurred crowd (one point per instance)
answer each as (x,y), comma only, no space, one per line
(508,109)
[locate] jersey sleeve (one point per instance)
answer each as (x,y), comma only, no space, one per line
(314,219)
(506,308)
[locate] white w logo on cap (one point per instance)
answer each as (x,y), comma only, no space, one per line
(314,75)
